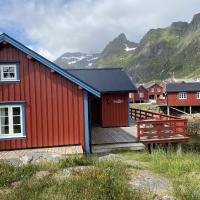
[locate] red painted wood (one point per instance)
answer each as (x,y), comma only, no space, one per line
(157,90)
(134,97)
(158,128)
(113,113)
(54,105)
(173,99)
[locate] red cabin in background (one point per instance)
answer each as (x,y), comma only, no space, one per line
(183,94)
(155,91)
(142,96)
(181,97)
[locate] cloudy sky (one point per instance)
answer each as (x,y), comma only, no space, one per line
(52,27)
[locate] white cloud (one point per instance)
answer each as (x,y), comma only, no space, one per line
(57,26)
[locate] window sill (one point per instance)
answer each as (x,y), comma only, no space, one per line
(13,137)
(10,81)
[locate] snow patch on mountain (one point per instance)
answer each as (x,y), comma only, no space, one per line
(77,60)
(129,48)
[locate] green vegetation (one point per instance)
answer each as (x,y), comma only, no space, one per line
(182,170)
(106,180)
(145,106)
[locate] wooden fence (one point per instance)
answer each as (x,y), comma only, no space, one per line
(155,127)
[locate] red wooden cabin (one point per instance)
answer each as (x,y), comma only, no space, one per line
(155,91)
(183,95)
(142,96)
(112,109)
(42,105)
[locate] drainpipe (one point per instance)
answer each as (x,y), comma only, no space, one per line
(87,130)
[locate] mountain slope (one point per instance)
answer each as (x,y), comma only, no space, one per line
(76,60)
(117,47)
(161,52)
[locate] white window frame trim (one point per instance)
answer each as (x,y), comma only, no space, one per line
(16,71)
(12,135)
(141,94)
(198,95)
(181,96)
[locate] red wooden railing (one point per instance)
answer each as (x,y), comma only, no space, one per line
(155,127)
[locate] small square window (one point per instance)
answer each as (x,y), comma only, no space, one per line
(182,95)
(141,94)
(9,72)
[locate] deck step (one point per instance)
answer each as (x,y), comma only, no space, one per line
(102,148)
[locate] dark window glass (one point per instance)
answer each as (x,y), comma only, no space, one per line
(4,129)
(16,120)
(17,129)
(16,111)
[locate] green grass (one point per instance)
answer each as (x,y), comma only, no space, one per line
(107,180)
(182,170)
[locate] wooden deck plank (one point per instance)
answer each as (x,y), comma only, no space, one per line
(114,135)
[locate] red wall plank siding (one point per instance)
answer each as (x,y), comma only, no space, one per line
(54,106)
(115,110)
(136,98)
(173,99)
(157,90)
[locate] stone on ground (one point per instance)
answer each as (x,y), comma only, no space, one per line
(110,157)
(42,174)
(64,173)
(35,158)
(151,183)
(16,184)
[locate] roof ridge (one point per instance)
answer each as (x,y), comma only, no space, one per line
(48,63)
(110,68)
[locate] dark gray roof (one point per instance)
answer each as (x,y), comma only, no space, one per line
(183,87)
(105,80)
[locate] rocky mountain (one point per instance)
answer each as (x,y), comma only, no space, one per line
(117,47)
(160,53)
(163,52)
(77,60)
(114,49)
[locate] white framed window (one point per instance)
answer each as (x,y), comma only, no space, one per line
(182,95)
(12,121)
(158,89)
(9,72)
(198,95)
(152,89)
(141,94)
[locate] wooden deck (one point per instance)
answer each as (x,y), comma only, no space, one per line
(150,127)
(109,139)
(114,135)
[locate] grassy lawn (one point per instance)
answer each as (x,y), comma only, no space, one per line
(145,106)
(182,170)
(106,180)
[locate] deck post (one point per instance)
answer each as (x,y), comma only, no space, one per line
(168,110)
(190,110)
(150,148)
(179,148)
